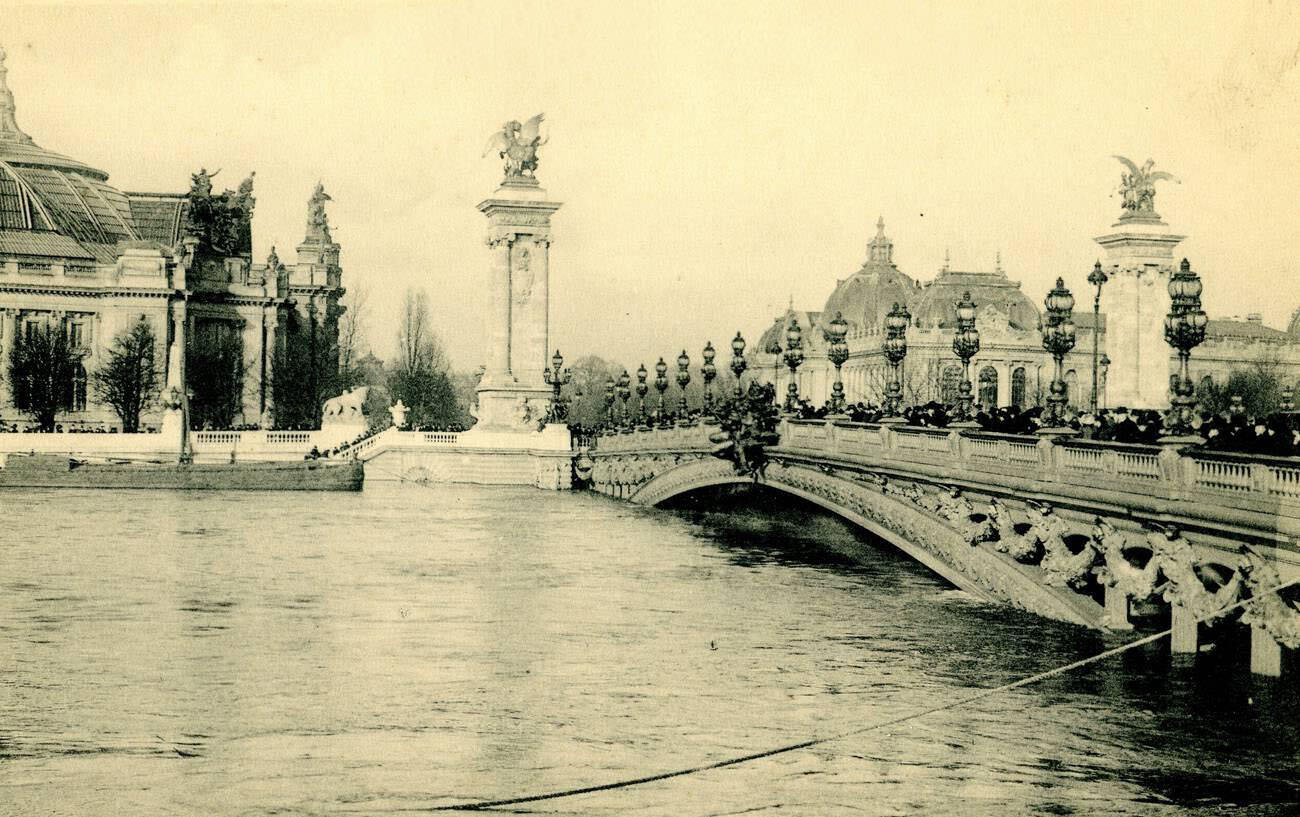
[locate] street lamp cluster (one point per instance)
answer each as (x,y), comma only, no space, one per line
(1184,330)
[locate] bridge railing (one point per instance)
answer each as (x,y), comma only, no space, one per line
(1139,476)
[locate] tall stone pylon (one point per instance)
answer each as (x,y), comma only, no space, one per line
(513,394)
(1139,261)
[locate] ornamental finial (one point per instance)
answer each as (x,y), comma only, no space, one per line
(9,129)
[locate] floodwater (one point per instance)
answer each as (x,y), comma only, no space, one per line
(410,646)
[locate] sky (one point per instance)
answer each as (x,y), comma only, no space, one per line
(715,160)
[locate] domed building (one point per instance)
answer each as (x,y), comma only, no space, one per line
(1010,368)
(79,254)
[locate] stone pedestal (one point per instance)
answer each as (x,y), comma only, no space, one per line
(1139,260)
(513,395)
(1265,653)
(1183,638)
(1117,609)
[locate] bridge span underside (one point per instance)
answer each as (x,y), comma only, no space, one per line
(984,573)
(1099,535)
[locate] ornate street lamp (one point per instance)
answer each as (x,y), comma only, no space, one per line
(1098,279)
(609,404)
(642,389)
(738,364)
(661,386)
(838,352)
(708,371)
(793,357)
(1058,340)
(683,380)
(625,393)
(1184,331)
(966,344)
(894,347)
(557,377)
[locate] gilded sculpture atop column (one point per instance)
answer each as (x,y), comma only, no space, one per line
(1138,187)
(517,144)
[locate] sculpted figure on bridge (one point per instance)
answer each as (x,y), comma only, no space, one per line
(1117,570)
(1138,187)
(1063,567)
(1182,574)
(1268,610)
(518,145)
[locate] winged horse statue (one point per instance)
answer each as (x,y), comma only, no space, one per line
(1138,186)
(518,145)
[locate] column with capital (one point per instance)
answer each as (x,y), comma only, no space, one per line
(8,331)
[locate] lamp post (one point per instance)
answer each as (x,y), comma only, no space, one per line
(838,352)
(625,393)
(1184,331)
(683,380)
(642,389)
(609,404)
(966,344)
(661,386)
(1098,279)
(557,377)
(738,364)
(1058,340)
(708,371)
(894,347)
(793,357)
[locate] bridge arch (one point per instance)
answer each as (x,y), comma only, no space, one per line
(896,519)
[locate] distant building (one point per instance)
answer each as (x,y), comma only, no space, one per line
(76,251)
(1011,367)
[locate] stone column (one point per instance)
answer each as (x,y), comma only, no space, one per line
(8,331)
(497,371)
(1183,623)
(1265,653)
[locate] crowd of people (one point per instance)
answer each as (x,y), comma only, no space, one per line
(1231,430)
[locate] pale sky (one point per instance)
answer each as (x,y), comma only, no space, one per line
(714,159)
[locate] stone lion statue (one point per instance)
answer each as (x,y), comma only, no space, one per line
(347,407)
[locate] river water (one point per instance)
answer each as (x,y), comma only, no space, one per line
(408,646)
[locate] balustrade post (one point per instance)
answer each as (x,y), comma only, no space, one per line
(886,441)
(958,447)
(1261,479)
(1265,653)
(1182,622)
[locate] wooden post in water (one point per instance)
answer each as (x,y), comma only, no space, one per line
(1184,635)
(1265,653)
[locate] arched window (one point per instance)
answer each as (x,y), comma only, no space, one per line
(77,400)
(950,386)
(1018,387)
(988,393)
(1071,387)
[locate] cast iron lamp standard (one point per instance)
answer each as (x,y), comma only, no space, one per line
(708,371)
(793,357)
(625,393)
(1058,340)
(557,377)
(894,348)
(738,364)
(965,344)
(683,380)
(1098,279)
(1184,331)
(838,352)
(642,389)
(609,406)
(661,386)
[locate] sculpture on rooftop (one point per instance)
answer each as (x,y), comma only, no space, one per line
(318,223)
(518,145)
(1138,187)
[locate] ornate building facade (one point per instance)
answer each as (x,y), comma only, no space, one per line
(78,253)
(1011,367)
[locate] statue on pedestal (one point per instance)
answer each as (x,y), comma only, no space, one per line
(348,408)
(518,145)
(1138,187)
(398,410)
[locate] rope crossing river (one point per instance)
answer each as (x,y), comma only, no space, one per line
(481,805)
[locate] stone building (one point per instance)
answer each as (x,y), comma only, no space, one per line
(1011,367)
(76,251)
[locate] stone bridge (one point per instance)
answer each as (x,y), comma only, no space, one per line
(1086,532)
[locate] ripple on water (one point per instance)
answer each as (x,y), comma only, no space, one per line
(406,646)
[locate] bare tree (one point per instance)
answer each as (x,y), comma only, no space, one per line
(352,335)
(419,376)
(129,380)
